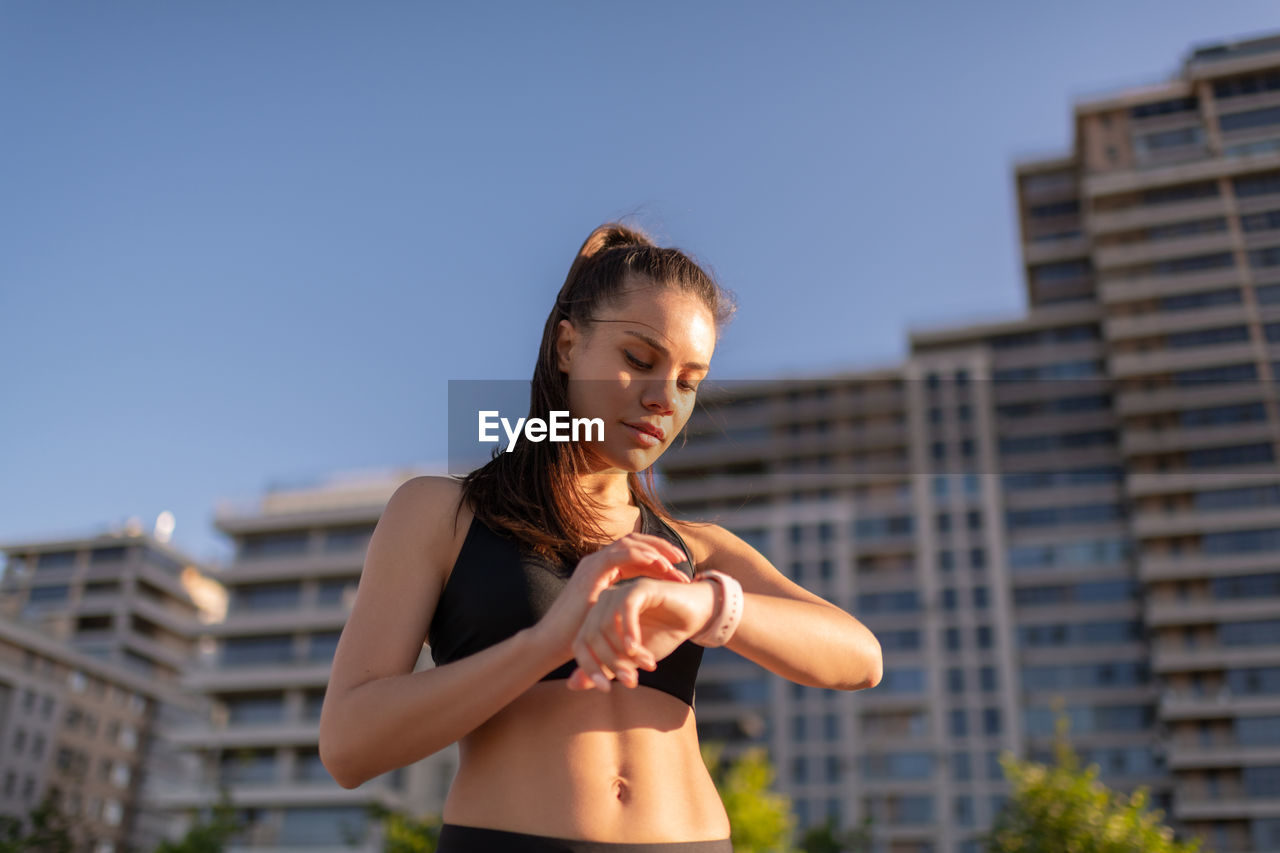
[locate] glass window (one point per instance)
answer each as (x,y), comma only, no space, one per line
(322,646)
(255,709)
(274,544)
(331,591)
(249,766)
(265,596)
(242,651)
(322,826)
(350,538)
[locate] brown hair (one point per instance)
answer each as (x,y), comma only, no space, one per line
(531,492)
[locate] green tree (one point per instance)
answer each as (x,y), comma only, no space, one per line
(404,834)
(1063,807)
(50,830)
(208,836)
(760,819)
(827,838)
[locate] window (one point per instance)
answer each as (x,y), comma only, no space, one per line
(1249,119)
(351,538)
(274,544)
(321,825)
(331,591)
(255,709)
(248,651)
(265,596)
(1207,337)
(898,765)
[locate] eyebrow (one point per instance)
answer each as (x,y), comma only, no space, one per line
(692,365)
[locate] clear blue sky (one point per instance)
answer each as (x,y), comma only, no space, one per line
(243,243)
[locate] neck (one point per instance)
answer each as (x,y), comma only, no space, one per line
(608,488)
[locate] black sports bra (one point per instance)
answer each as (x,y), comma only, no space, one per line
(497,588)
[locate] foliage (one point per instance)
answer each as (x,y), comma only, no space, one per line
(207,836)
(50,829)
(826,838)
(405,834)
(760,820)
(1065,808)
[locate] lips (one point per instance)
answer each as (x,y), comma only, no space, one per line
(654,431)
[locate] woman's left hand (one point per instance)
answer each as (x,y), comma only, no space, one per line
(654,615)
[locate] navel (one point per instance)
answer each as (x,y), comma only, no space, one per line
(621,789)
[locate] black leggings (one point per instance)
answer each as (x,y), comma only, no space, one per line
(455,838)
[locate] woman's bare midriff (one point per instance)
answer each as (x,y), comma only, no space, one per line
(622,766)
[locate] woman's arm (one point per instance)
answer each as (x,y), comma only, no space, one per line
(390,722)
(784,627)
(379,714)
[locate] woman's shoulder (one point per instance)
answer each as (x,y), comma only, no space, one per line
(702,538)
(436,501)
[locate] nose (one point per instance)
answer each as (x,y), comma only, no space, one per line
(660,396)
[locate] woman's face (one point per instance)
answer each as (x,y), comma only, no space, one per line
(638,366)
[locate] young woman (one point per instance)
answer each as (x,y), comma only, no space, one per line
(561,603)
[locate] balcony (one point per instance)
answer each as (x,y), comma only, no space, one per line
(1144,216)
(274,794)
(1193,755)
(1165,658)
(1167,567)
(1219,704)
(1168,360)
(305,618)
(300,733)
(1208,611)
(1115,289)
(1111,183)
(1174,398)
(1139,441)
(1149,524)
(1230,804)
(1163,322)
(301,673)
(1046,251)
(1146,252)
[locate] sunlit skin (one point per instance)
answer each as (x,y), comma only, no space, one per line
(640,362)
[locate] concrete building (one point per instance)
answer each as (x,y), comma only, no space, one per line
(86,732)
(298,557)
(87,727)
(1083,503)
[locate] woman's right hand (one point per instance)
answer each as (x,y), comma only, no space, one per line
(634,555)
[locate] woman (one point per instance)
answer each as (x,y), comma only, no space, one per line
(554,561)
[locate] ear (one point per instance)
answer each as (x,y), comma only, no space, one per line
(566,340)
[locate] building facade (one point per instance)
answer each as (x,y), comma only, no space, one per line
(132,602)
(1081,506)
(298,557)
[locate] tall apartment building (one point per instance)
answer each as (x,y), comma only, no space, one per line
(298,557)
(1177,189)
(95,633)
(1082,503)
